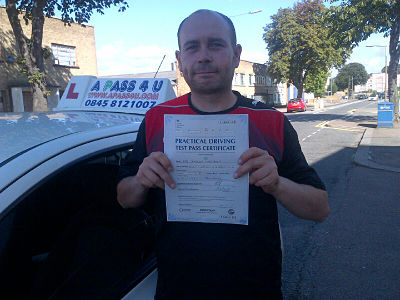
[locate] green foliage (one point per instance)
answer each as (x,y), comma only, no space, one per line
(299,43)
(20,60)
(355,20)
(315,83)
(398,69)
(34,77)
(30,49)
(78,11)
(351,74)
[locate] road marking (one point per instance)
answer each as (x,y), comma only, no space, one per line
(322,125)
(346,129)
(336,106)
(308,136)
(325,125)
(351,111)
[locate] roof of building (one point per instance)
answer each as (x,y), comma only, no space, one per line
(253,62)
(171,75)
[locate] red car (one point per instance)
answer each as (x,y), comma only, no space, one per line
(296,105)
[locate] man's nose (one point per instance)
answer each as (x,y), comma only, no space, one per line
(204,55)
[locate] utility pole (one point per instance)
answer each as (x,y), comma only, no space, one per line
(382,46)
(384,98)
(352,88)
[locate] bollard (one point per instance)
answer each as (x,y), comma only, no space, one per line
(316,104)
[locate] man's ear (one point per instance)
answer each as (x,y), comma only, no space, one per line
(178,57)
(236,55)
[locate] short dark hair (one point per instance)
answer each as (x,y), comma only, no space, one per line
(227,19)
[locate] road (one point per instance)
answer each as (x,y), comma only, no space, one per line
(350,255)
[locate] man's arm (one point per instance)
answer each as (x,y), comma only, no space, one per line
(152,173)
(304,201)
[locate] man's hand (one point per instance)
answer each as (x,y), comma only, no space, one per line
(261,167)
(304,201)
(154,171)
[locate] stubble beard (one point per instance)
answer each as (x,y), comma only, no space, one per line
(222,84)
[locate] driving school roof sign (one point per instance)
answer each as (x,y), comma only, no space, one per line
(130,95)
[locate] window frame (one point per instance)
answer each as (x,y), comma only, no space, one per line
(61,62)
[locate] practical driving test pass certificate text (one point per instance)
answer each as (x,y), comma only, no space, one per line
(204,151)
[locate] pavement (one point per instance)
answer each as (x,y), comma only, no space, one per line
(379,147)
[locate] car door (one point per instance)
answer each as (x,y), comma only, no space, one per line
(48,187)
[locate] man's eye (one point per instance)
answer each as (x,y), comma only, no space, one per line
(190,48)
(217,45)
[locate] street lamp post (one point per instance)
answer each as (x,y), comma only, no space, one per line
(248,13)
(382,46)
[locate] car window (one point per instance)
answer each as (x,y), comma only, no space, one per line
(75,208)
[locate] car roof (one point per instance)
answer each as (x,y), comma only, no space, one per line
(20,132)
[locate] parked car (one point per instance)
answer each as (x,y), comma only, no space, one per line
(373,97)
(296,104)
(54,165)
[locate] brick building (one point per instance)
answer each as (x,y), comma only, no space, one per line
(71,51)
(376,82)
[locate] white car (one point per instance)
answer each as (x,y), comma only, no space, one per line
(373,97)
(48,158)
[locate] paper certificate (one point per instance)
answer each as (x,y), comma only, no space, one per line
(204,151)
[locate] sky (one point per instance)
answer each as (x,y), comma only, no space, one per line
(136,40)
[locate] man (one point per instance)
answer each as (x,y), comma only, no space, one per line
(221,261)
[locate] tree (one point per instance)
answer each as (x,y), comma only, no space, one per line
(355,20)
(398,69)
(350,75)
(299,44)
(30,49)
(315,83)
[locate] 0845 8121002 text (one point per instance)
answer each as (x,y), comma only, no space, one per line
(120,103)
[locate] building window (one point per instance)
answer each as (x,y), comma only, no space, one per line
(236,79)
(241,79)
(64,55)
(251,79)
(260,80)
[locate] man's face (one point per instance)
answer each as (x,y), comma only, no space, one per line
(207,57)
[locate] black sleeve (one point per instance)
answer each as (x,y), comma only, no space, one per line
(294,165)
(131,163)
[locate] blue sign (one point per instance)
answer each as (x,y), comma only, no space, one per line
(385,114)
